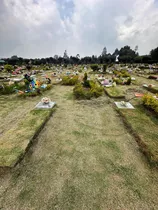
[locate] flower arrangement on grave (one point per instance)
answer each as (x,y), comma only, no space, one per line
(45,100)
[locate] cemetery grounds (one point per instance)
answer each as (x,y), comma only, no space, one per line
(83,158)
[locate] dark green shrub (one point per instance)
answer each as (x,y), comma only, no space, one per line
(95,67)
(104,68)
(85,81)
(128,81)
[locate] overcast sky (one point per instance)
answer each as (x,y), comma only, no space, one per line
(43,28)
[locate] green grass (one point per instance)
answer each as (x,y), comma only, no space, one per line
(15,141)
(69,96)
(145,126)
(115,92)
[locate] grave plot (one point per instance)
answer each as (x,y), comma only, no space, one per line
(144,126)
(20,123)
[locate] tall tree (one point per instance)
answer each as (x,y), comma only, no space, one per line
(56,57)
(154,54)
(104,52)
(65,55)
(126,54)
(136,49)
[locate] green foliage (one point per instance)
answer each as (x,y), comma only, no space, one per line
(126,54)
(85,81)
(118,81)
(67,80)
(8,68)
(36,92)
(87,93)
(154,54)
(104,67)
(150,102)
(9,89)
(49,86)
(122,73)
(96,90)
(94,67)
(128,81)
(79,91)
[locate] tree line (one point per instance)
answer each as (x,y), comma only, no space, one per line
(124,55)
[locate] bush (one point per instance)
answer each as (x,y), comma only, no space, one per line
(104,67)
(49,86)
(8,68)
(95,67)
(79,91)
(124,73)
(118,81)
(150,102)
(66,80)
(87,93)
(85,81)
(96,91)
(128,81)
(9,89)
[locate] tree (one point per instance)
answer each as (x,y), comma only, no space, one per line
(56,57)
(104,68)
(116,52)
(104,52)
(78,56)
(136,49)
(154,54)
(8,68)
(126,54)
(95,67)
(65,55)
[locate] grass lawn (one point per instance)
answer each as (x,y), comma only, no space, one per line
(116,92)
(16,139)
(145,125)
(84,158)
(141,80)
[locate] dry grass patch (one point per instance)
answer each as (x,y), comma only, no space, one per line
(145,128)
(16,140)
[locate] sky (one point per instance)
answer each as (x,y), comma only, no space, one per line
(44,28)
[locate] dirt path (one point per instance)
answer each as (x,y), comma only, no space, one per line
(83,159)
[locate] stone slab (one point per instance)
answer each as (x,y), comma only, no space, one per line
(127,106)
(40,105)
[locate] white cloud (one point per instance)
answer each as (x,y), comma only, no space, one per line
(142,28)
(37,29)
